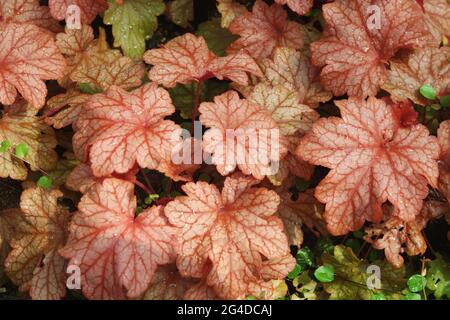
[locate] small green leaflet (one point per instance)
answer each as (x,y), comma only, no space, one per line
(4,146)
(416,283)
(21,150)
(45,182)
(378,296)
(305,258)
(150,198)
(412,296)
(324,273)
(133,22)
(294,273)
(428,92)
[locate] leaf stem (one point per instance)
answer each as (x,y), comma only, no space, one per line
(147,182)
(143,187)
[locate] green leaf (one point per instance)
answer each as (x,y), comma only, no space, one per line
(132,23)
(438,278)
(150,198)
(45,182)
(305,258)
(378,296)
(413,296)
(21,150)
(445,101)
(250,298)
(216,37)
(4,146)
(416,283)
(181,12)
(183,95)
(324,273)
(324,244)
(87,88)
(352,277)
(428,92)
(294,273)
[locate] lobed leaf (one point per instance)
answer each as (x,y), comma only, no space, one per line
(263,30)
(372,159)
(360,38)
(38,231)
(28,55)
(117,130)
(117,252)
(232,230)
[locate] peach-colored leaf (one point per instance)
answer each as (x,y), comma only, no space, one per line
(233,230)
(27,11)
(90,62)
(5,237)
(282,103)
(437,18)
(81,178)
(187,58)
(200,291)
(185,165)
(293,120)
(94,62)
(427,66)
(229,10)
(28,55)
(360,38)
(299,6)
(118,129)
(88,9)
(264,29)
(395,236)
(444,163)
(63,109)
(39,230)
(241,134)
(372,159)
(294,71)
(273,272)
(305,210)
(167,284)
(115,250)
(20,125)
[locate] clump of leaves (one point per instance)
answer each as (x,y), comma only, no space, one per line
(253,150)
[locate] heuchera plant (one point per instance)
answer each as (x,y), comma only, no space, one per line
(245,149)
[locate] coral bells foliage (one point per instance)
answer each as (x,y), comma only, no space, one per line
(118,129)
(158,156)
(233,230)
(28,56)
(115,250)
(373,158)
(355,50)
(264,29)
(187,58)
